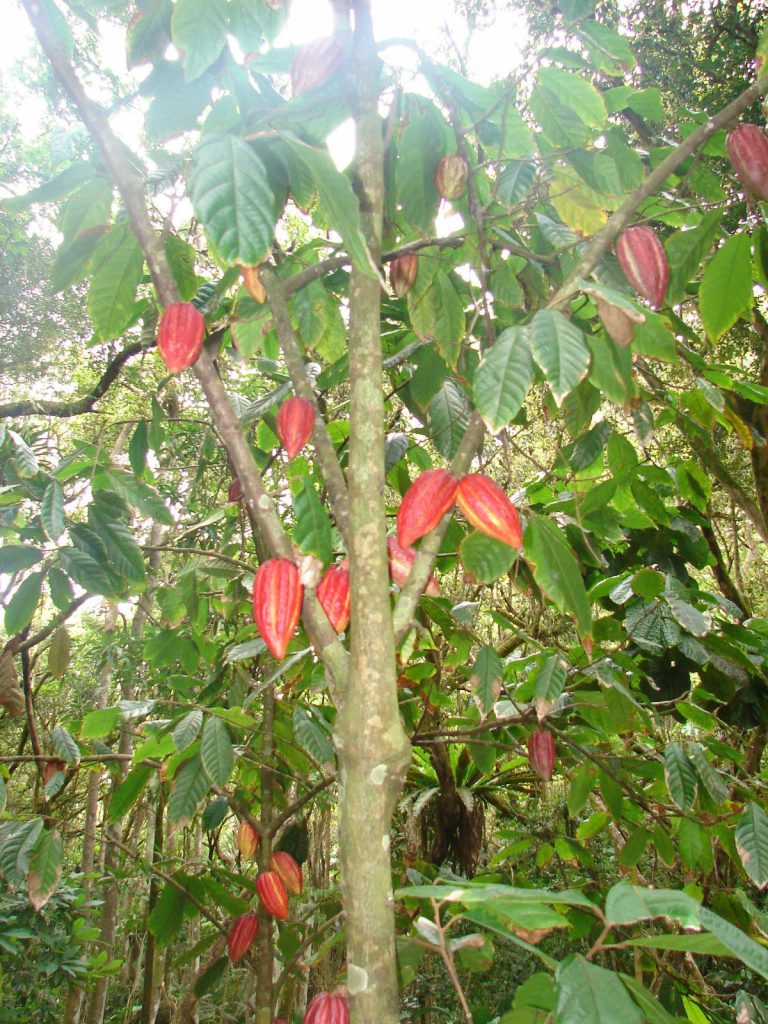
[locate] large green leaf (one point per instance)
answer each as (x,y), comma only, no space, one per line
(199,31)
(421,146)
(588,994)
(556,571)
(216,751)
(124,554)
(747,950)
(137,494)
(312,736)
(167,915)
(186,729)
(568,108)
(726,289)
(313,532)
(752,843)
(128,792)
(64,745)
(680,774)
(52,510)
(88,572)
(118,262)
(44,867)
(22,606)
(487,674)
(628,904)
(503,377)
(560,352)
(17,839)
(338,199)
(448,417)
(15,557)
(189,787)
(230,192)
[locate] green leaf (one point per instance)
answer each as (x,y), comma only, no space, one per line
(87,572)
(714,783)
(740,945)
(654,1012)
(514,182)
(588,994)
(312,736)
(138,447)
(216,751)
(128,792)
(551,676)
(681,777)
(167,915)
(124,554)
(726,288)
(26,461)
(22,606)
(503,378)
(16,841)
(230,191)
(560,351)
(189,787)
(338,199)
(60,588)
(149,33)
(59,653)
(448,418)
(422,142)
(556,571)
(485,559)
(186,729)
(568,108)
(628,904)
(487,674)
(15,557)
(45,868)
(52,510)
(118,260)
(313,532)
(58,187)
(199,31)
(136,493)
(98,724)
(64,745)
(752,843)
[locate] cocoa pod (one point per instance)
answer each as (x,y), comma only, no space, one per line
(334,596)
(400,561)
(180,335)
(272,894)
(314,64)
(747,149)
(235,492)
(451,176)
(541,753)
(253,285)
(402,273)
(642,258)
(277,597)
(327,1008)
(247,840)
(489,510)
(289,871)
(241,936)
(11,696)
(427,500)
(295,420)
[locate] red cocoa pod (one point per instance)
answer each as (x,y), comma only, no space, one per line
(295,420)
(541,753)
(427,500)
(747,149)
(327,1008)
(180,335)
(277,597)
(642,258)
(247,840)
(314,64)
(272,894)
(289,871)
(234,492)
(489,510)
(451,176)
(241,936)
(402,273)
(334,596)
(253,285)
(400,561)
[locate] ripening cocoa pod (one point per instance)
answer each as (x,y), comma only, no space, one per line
(180,335)
(253,285)
(747,149)
(327,1008)
(427,500)
(241,936)
(272,894)
(295,420)
(400,561)
(277,597)
(314,64)
(541,753)
(334,596)
(489,510)
(642,258)
(247,840)
(402,273)
(235,492)
(289,871)
(451,176)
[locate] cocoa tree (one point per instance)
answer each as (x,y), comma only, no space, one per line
(592,627)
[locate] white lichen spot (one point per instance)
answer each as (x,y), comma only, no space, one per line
(385,843)
(357,979)
(378,775)
(264,502)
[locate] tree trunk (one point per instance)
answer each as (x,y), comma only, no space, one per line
(265,954)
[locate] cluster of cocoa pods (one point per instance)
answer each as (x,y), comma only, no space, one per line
(273,888)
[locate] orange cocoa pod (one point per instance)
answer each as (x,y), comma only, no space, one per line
(253,285)
(241,936)
(642,258)
(247,840)
(327,1008)
(289,870)
(747,149)
(180,335)
(488,509)
(400,561)
(427,500)
(451,176)
(272,894)
(295,420)
(314,64)
(402,273)
(334,595)
(541,753)
(277,597)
